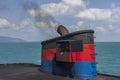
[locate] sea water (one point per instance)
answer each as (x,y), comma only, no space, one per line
(107,55)
(23,52)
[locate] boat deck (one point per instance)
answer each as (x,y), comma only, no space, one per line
(32,72)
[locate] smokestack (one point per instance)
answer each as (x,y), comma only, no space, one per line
(62,30)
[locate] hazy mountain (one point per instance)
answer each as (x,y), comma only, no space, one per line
(10,39)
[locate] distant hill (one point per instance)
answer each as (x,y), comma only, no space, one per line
(10,39)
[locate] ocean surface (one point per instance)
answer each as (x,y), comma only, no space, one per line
(107,58)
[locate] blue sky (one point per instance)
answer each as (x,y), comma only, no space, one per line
(37,20)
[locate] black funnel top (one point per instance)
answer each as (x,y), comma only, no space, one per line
(62,30)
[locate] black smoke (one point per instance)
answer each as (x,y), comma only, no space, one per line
(44,22)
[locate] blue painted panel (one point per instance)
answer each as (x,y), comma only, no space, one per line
(84,70)
(46,66)
(77,69)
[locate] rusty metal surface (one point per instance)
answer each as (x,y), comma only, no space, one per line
(32,72)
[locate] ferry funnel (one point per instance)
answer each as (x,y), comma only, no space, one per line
(62,30)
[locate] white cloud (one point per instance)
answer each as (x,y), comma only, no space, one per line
(77,26)
(55,9)
(37,12)
(65,7)
(24,25)
(31,12)
(111,27)
(14,27)
(108,15)
(114,28)
(77,8)
(74,3)
(115,15)
(25,22)
(95,14)
(4,22)
(41,24)
(43,19)
(100,29)
(102,20)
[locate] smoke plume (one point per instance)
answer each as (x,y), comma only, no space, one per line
(44,22)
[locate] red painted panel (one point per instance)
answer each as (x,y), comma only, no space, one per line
(87,55)
(88,46)
(48,54)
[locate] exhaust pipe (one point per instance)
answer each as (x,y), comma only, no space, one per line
(62,30)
